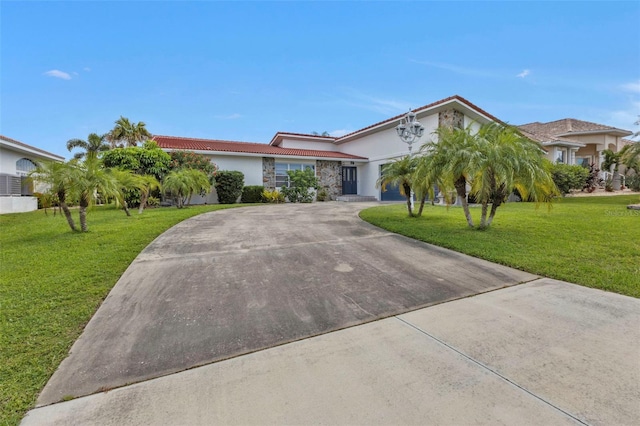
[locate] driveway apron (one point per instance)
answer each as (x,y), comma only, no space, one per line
(237,281)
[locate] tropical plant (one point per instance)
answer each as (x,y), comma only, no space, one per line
(125,133)
(94,145)
(191,160)
(593,179)
(399,172)
(611,163)
(272,196)
(448,162)
(630,157)
(322,194)
(182,184)
(301,186)
(507,161)
(229,184)
(146,184)
(58,178)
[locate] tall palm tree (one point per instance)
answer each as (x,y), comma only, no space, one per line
(506,161)
(399,173)
(58,177)
(92,146)
(126,133)
(448,163)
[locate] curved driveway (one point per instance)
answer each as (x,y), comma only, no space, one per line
(235,281)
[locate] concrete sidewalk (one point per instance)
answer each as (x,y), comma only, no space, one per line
(544,352)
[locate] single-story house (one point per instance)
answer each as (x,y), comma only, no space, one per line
(351,164)
(572,141)
(345,165)
(17,159)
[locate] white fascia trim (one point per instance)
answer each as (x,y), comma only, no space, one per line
(34,152)
(251,154)
(565,144)
(619,132)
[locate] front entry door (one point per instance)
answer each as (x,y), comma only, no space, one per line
(349,180)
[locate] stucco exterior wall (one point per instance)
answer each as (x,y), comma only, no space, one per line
(250,166)
(297,144)
(8,160)
(18,204)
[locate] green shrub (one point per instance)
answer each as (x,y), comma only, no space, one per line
(632,182)
(274,196)
(229,185)
(302,183)
(568,178)
(252,194)
(191,160)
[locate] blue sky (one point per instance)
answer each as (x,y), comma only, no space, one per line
(245,70)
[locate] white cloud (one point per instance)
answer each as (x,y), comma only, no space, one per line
(58,74)
(87,69)
(524,73)
(340,132)
(632,87)
(457,69)
(377,104)
(625,118)
(228,116)
(75,73)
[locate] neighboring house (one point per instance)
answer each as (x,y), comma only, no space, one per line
(346,165)
(17,159)
(572,141)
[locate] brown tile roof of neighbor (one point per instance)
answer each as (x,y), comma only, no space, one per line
(567,126)
(33,148)
(192,144)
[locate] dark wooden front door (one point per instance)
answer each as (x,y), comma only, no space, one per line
(349,180)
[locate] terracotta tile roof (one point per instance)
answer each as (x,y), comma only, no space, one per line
(33,148)
(422,108)
(192,144)
(565,126)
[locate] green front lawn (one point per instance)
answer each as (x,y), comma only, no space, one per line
(51,283)
(592,241)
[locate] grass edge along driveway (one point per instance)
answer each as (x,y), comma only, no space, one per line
(591,241)
(53,280)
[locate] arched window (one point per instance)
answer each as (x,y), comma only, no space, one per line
(24,166)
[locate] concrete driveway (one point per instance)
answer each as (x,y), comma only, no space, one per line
(234,288)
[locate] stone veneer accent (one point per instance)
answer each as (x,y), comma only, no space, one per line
(269,173)
(451,118)
(330,177)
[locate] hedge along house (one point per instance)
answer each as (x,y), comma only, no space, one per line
(17,159)
(345,166)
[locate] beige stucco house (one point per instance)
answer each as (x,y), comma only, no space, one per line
(572,141)
(17,159)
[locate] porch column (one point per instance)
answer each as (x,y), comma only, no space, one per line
(572,156)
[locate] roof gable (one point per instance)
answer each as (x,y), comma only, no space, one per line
(28,149)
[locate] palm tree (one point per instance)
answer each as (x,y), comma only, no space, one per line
(182,184)
(126,133)
(448,163)
(92,146)
(59,179)
(89,179)
(506,161)
(630,156)
(611,163)
(146,184)
(399,173)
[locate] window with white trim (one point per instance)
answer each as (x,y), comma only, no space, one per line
(282,178)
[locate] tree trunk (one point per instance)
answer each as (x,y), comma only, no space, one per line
(67,213)
(143,202)
(494,207)
(421,206)
(83,216)
(483,218)
(125,207)
(461,190)
(407,192)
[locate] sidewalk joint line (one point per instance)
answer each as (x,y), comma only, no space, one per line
(490,370)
